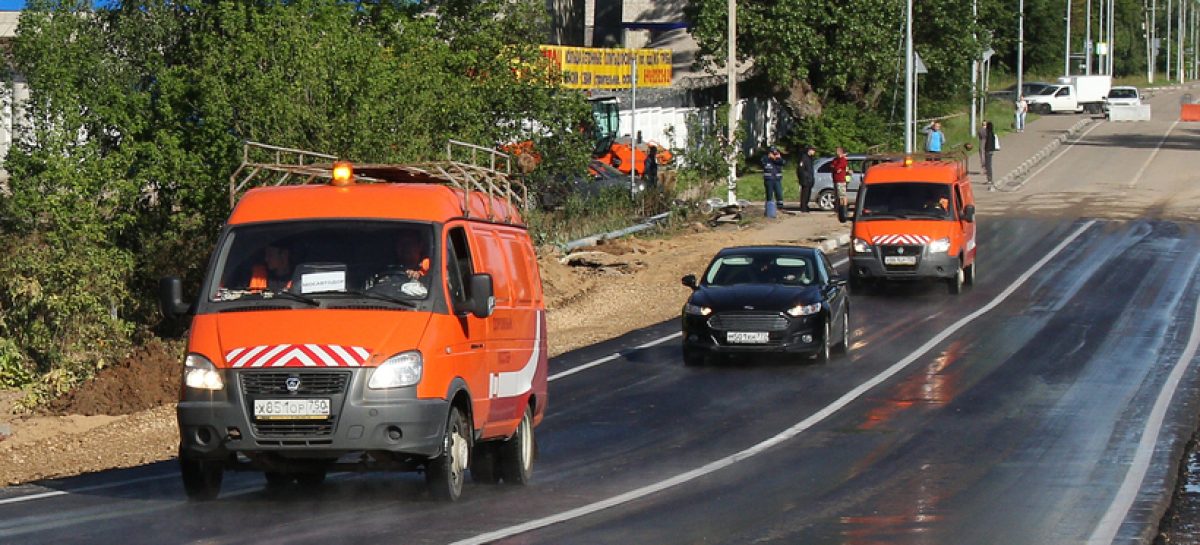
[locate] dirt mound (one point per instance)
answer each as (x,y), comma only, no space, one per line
(147,378)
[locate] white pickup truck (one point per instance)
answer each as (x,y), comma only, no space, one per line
(1072,94)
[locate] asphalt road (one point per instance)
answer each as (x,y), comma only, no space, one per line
(1049,404)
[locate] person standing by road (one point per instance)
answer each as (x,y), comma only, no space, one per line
(650,168)
(934,137)
(806,175)
(772,164)
(840,165)
(1022,108)
(989,145)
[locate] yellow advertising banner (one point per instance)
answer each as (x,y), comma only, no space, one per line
(604,68)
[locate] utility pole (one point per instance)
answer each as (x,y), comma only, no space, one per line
(1153,38)
(1169,73)
(731,65)
(1067,50)
(1087,41)
(975,72)
(908,78)
(1182,32)
(1101,29)
(1020,47)
(1112,35)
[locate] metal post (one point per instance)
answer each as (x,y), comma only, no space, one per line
(1153,38)
(1087,41)
(1112,35)
(908,79)
(1169,73)
(731,67)
(1067,49)
(633,143)
(1182,32)
(1020,47)
(975,74)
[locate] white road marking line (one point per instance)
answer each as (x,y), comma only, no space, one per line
(785,435)
(1110,523)
(86,489)
(1056,156)
(1138,177)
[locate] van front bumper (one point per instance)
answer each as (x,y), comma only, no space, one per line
(214,425)
(928,265)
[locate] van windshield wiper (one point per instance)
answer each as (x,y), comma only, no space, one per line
(295,297)
(381,297)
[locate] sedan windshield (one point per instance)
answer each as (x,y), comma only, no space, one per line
(906,200)
(788,270)
(1122,93)
(309,260)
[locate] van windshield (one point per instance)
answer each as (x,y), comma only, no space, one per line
(306,261)
(906,200)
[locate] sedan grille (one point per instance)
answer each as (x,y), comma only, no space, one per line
(258,383)
(749,321)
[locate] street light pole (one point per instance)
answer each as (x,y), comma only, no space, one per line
(975,72)
(1020,46)
(731,67)
(1087,41)
(908,79)
(1067,49)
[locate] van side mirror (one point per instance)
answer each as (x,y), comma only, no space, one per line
(170,298)
(690,281)
(483,299)
(968,213)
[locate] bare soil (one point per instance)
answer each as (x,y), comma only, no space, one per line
(125,416)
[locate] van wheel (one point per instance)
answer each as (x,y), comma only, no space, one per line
(956,282)
(827,200)
(823,355)
(517,453)
(969,276)
(444,474)
(201,478)
(484,464)
(843,346)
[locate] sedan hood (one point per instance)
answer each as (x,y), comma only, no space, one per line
(311,338)
(755,297)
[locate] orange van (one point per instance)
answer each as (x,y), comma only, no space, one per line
(372,317)
(915,219)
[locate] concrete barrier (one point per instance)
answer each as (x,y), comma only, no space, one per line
(1189,112)
(1129,113)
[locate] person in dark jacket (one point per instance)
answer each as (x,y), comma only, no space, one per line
(650,167)
(990,144)
(772,164)
(806,175)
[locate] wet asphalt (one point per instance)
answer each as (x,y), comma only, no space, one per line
(1019,425)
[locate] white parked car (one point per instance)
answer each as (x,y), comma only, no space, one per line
(1123,96)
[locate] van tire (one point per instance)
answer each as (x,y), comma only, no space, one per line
(201,478)
(969,274)
(516,455)
(445,474)
(484,464)
(955,283)
(827,200)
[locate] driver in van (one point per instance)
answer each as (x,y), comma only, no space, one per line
(411,256)
(275,272)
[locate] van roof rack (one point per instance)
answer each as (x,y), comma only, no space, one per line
(467,167)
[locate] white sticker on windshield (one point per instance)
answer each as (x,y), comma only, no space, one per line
(323,281)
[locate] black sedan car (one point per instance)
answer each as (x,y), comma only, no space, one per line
(766,299)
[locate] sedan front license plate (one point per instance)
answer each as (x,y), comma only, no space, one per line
(743,337)
(900,260)
(291,409)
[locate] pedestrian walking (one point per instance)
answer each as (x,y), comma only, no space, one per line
(772,164)
(934,138)
(1022,108)
(650,168)
(840,165)
(990,145)
(806,175)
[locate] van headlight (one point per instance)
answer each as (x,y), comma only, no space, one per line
(805,310)
(403,369)
(939,246)
(201,374)
(861,246)
(696,310)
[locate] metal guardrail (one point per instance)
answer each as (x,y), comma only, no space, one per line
(468,168)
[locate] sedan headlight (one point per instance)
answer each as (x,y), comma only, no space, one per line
(861,246)
(804,310)
(939,246)
(403,369)
(696,310)
(201,374)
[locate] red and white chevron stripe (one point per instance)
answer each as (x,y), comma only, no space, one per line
(901,239)
(298,355)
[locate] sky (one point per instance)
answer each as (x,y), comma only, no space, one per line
(11,5)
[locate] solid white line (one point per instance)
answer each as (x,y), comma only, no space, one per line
(785,435)
(86,489)
(1110,523)
(1056,156)
(1138,177)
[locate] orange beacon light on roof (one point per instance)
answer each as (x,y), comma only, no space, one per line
(343,174)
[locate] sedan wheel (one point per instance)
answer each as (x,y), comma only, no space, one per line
(823,354)
(827,200)
(843,346)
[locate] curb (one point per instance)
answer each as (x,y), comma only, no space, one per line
(831,244)
(1040,156)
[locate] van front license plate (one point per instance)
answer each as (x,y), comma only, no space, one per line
(742,337)
(899,260)
(291,409)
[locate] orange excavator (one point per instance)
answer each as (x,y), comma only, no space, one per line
(614,150)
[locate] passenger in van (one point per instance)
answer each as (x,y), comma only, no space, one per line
(275,272)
